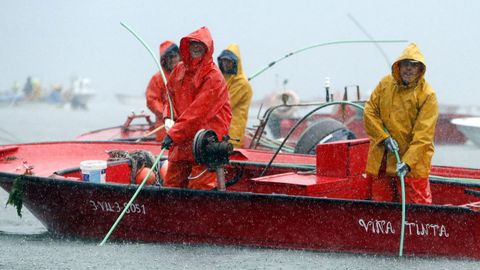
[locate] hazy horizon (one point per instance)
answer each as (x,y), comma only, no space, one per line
(56,40)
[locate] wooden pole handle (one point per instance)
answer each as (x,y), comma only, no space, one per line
(150,133)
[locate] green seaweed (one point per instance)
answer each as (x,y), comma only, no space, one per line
(16,195)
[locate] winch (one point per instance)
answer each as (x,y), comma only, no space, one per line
(209,151)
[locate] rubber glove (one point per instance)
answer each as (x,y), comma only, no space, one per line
(402,169)
(390,144)
(167,142)
(169,124)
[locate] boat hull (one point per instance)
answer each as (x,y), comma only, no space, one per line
(469,126)
(88,210)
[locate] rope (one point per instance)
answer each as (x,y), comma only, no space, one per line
(190,177)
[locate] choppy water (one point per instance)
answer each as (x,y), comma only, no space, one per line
(25,243)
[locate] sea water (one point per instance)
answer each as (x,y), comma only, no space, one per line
(25,243)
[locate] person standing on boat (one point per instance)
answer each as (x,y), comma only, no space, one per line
(239,89)
(401,114)
(28,88)
(156,92)
(200,101)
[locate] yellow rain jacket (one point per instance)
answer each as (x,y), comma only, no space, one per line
(240,95)
(409,112)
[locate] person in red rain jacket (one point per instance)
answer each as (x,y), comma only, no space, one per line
(200,99)
(155,93)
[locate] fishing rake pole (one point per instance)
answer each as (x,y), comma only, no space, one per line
(164,78)
(379,48)
(404,210)
(321,45)
(402,182)
(150,133)
(131,200)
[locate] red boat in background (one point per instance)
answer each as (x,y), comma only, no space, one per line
(445,133)
(136,127)
(315,202)
(280,119)
(277,121)
(470,127)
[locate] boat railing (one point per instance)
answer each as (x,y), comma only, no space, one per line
(288,112)
(127,126)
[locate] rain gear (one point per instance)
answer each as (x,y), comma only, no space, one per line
(156,93)
(240,93)
(200,100)
(409,113)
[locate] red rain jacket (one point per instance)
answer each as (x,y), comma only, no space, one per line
(156,94)
(199,95)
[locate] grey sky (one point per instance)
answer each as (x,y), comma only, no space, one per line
(55,40)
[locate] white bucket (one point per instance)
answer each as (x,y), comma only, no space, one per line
(93,170)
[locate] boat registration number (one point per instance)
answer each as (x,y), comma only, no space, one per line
(116,207)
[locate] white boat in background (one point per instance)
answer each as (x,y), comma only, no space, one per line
(470,127)
(79,93)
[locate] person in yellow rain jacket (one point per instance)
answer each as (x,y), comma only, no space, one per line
(239,90)
(401,114)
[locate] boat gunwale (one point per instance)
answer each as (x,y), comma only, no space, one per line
(155,190)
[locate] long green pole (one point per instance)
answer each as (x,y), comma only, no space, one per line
(404,210)
(321,45)
(402,231)
(161,153)
(164,78)
(132,199)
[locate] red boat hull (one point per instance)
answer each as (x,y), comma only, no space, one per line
(87,210)
(328,210)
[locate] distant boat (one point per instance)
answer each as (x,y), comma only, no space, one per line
(81,92)
(80,100)
(9,98)
(76,96)
(470,127)
(70,99)
(132,100)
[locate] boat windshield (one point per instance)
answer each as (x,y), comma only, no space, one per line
(304,125)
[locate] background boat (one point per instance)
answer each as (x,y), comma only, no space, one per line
(135,101)
(470,127)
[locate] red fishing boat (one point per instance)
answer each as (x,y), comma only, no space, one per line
(313,202)
(278,120)
(136,127)
(470,127)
